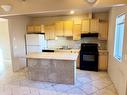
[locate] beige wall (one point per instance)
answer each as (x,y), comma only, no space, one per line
(17,30)
(117,70)
(4,41)
(52,19)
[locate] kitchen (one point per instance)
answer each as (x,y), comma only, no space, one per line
(78,25)
(61,43)
(65,51)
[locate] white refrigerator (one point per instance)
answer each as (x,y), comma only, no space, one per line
(35,43)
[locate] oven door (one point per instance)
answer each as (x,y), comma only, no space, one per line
(89,61)
(90,58)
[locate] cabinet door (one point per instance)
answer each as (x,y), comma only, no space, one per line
(94,25)
(49,32)
(103,58)
(86,26)
(76,31)
(59,28)
(52,32)
(68,27)
(30,28)
(103,30)
(37,28)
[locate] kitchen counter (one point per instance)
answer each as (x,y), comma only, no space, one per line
(68,50)
(56,67)
(103,51)
(53,55)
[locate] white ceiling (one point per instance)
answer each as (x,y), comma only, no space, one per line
(67,12)
(56,7)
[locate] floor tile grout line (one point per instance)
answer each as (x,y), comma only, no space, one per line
(83,91)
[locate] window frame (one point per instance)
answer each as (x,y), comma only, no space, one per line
(119,58)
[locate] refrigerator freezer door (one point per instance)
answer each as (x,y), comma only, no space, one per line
(34,39)
(33,49)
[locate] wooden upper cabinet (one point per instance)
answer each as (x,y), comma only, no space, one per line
(90,26)
(103,30)
(30,28)
(68,28)
(39,28)
(85,26)
(59,28)
(49,32)
(76,31)
(52,33)
(35,29)
(94,25)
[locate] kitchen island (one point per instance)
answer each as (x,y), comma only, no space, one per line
(54,67)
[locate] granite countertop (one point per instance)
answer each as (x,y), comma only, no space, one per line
(77,50)
(68,50)
(53,55)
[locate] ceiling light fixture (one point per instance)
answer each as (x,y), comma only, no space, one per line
(72,12)
(6,7)
(91,1)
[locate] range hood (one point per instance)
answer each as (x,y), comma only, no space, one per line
(89,35)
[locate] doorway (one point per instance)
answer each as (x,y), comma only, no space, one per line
(5,50)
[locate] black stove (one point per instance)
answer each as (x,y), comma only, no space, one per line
(89,56)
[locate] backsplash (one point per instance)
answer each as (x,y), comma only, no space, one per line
(68,41)
(63,41)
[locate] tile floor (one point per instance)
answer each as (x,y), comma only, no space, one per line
(87,83)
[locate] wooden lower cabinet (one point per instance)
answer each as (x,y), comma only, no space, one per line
(78,62)
(103,61)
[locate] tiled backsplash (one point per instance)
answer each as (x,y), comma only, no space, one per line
(67,41)
(63,41)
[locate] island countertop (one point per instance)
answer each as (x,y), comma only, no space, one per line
(53,55)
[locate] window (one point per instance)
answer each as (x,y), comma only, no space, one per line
(119,37)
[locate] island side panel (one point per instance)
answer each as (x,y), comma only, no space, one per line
(48,70)
(38,69)
(65,71)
